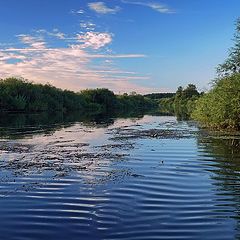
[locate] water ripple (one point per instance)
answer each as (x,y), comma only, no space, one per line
(151,178)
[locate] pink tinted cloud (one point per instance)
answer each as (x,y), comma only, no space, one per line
(72,67)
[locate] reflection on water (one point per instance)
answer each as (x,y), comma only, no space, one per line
(14,125)
(108,177)
(225,151)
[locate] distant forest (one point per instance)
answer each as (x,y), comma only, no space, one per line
(20,95)
(158,96)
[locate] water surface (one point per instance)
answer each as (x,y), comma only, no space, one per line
(144,177)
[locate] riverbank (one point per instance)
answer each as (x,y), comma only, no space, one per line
(20,95)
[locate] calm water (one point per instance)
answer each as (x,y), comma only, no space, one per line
(146,177)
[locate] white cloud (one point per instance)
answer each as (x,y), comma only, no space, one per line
(94,40)
(34,42)
(5,56)
(72,67)
(54,33)
(80,11)
(89,26)
(101,8)
(159,7)
(154,6)
(120,56)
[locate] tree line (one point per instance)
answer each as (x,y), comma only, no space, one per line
(182,103)
(20,95)
(218,108)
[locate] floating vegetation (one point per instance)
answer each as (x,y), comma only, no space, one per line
(129,133)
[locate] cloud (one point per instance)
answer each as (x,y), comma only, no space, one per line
(101,8)
(89,26)
(54,33)
(94,40)
(161,8)
(70,67)
(6,56)
(76,47)
(120,56)
(87,39)
(77,12)
(34,42)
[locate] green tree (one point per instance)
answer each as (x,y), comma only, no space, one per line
(21,95)
(100,98)
(232,63)
(190,91)
(220,108)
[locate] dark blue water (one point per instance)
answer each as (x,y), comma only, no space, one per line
(137,178)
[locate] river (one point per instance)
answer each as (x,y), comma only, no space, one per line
(142,177)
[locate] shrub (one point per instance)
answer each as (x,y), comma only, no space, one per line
(220,107)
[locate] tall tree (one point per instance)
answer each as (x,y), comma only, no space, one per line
(232,63)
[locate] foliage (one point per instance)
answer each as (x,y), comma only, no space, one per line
(19,95)
(100,99)
(183,103)
(157,96)
(220,107)
(232,63)
(135,101)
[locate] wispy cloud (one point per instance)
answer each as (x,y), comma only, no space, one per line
(87,25)
(80,11)
(34,42)
(73,67)
(94,40)
(161,8)
(102,8)
(54,33)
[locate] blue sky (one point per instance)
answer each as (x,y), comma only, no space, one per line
(124,45)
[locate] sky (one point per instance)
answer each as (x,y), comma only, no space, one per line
(123,45)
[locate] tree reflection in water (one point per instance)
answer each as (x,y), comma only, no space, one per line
(224,152)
